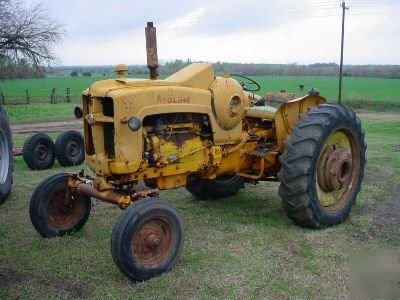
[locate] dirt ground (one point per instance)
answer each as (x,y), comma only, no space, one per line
(385,215)
(379,116)
(46,126)
(77,124)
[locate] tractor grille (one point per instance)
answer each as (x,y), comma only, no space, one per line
(108,129)
(108,107)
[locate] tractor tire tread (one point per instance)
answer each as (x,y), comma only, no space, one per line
(28,152)
(296,162)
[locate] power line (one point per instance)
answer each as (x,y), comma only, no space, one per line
(275,12)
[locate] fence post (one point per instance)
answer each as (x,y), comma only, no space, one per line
(28,99)
(3,101)
(68,95)
(53,99)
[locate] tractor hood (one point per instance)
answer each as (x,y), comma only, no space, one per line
(198,75)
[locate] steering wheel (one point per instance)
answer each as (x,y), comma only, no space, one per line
(245,85)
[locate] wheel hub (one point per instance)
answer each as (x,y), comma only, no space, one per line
(72,148)
(334,168)
(152,242)
(63,215)
(41,152)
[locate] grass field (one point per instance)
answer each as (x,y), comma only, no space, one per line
(366,94)
(242,247)
(353,88)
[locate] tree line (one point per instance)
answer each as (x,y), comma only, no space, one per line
(317,69)
(28,34)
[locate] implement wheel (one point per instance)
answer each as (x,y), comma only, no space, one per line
(6,158)
(147,239)
(221,187)
(53,212)
(38,152)
(322,166)
(69,148)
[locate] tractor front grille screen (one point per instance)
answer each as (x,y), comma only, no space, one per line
(109,139)
(108,128)
(108,107)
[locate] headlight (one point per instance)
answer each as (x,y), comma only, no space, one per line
(134,123)
(90,119)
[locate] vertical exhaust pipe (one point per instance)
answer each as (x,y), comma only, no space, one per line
(151,49)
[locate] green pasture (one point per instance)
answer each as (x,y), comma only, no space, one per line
(363,94)
(378,89)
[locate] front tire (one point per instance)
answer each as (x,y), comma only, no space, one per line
(147,239)
(6,157)
(221,187)
(49,213)
(322,166)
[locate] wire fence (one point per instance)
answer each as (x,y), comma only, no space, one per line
(52,96)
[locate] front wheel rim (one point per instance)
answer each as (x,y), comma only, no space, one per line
(337,170)
(62,215)
(4,157)
(152,242)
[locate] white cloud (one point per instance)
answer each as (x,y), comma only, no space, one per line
(278,32)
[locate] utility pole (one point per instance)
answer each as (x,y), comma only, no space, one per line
(344,7)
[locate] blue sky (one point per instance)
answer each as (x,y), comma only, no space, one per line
(276,31)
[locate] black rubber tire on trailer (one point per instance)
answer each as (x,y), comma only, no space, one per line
(221,187)
(147,239)
(320,133)
(48,213)
(70,149)
(38,152)
(6,157)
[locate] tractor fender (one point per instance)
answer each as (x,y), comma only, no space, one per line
(289,114)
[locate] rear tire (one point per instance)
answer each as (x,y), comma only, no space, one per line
(221,187)
(69,148)
(6,157)
(38,152)
(48,213)
(322,166)
(147,239)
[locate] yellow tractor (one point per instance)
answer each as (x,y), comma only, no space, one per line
(210,135)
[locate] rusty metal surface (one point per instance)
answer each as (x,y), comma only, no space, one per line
(81,184)
(338,169)
(17,151)
(151,49)
(62,214)
(333,168)
(152,242)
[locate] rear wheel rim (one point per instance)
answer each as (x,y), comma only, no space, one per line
(64,215)
(4,157)
(338,169)
(152,242)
